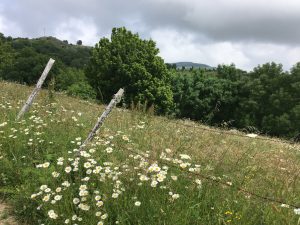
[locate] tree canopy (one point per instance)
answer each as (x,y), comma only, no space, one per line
(125,60)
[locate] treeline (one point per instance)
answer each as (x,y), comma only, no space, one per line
(22,60)
(265,99)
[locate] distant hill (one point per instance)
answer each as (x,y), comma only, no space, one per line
(69,54)
(189,65)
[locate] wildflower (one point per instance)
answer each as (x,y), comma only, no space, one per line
(44,165)
(184,156)
(284,206)
(66,184)
(43,187)
(52,214)
(83,193)
(68,169)
(115,195)
(297,211)
(58,189)
(67,221)
(74,217)
(85,179)
(87,165)
(57,197)
(137,203)
(33,196)
(82,187)
(92,151)
(100,223)
(154,183)
(46,198)
(97,169)
(175,196)
(104,216)
(125,138)
(192,169)
(84,207)
(154,168)
(99,203)
(55,174)
(98,214)
(228,213)
(3,124)
(174,178)
(97,197)
(109,150)
(60,161)
(229,183)
(160,177)
(144,178)
(183,165)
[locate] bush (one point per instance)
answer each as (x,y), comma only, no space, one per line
(82,90)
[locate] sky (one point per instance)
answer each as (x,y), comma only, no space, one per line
(244,32)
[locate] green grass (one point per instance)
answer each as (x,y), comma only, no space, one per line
(54,126)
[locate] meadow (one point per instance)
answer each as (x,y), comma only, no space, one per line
(139,169)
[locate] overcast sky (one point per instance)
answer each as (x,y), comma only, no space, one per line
(245,32)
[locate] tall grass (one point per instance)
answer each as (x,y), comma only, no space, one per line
(140,169)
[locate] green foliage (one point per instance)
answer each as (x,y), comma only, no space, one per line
(81,89)
(6,57)
(68,76)
(130,62)
(27,67)
(194,172)
(68,54)
(23,60)
(201,97)
(266,98)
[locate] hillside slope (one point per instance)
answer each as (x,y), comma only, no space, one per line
(203,175)
(189,65)
(76,56)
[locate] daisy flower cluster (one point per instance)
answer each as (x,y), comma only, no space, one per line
(89,179)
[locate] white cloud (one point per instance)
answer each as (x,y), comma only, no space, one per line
(175,46)
(77,29)
(182,46)
(8,27)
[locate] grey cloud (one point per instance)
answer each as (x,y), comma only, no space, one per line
(216,20)
(207,23)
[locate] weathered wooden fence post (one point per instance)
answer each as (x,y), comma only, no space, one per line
(39,84)
(116,99)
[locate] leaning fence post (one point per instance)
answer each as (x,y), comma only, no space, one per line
(116,99)
(39,84)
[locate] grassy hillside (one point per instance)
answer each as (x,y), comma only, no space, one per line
(140,169)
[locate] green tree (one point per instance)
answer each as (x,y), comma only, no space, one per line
(125,60)
(7,55)
(199,96)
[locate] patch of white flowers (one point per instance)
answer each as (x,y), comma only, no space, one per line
(80,179)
